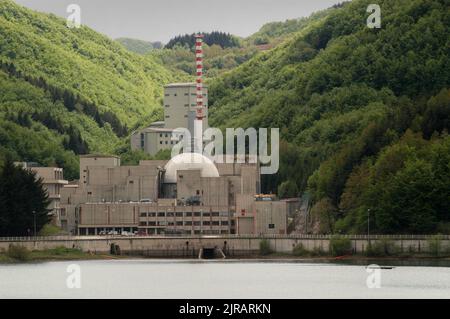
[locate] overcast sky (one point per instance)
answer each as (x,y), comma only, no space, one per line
(160,20)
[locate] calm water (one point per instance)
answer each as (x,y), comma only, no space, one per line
(219,279)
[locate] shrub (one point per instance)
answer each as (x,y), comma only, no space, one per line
(61,250)
(49,230)
(340,246)
(382,247)
(300,250)
(435,245)
(264,247)
(18,253)
(318,251)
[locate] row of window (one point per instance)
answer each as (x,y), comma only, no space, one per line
(186,214)
(186,223)
(185,94)
(187,105)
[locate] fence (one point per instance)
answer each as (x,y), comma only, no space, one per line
(262,236)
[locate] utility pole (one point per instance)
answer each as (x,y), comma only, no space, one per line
(368,225)
(34,219)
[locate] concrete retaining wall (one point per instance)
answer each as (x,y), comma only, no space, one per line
(235,246)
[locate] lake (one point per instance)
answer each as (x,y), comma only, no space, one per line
(150,278)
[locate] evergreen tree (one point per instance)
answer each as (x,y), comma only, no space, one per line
(23,201)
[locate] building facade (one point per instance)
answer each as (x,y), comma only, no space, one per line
(188,195)
(52,181)
(179,112)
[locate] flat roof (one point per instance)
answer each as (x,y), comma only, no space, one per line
(183,84)
(98,155)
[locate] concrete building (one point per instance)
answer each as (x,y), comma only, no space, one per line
(52,181)
(179,112)
(187,195)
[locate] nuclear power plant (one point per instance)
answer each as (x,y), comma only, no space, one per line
(186,195)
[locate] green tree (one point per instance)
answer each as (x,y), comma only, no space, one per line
(23,201)
(288,189)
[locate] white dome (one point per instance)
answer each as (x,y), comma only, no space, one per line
(189,161)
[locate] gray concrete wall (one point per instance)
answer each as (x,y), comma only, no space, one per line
(233,243)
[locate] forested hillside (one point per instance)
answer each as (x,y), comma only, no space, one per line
(139,46)
(224,52)
(70,89)
(363,114)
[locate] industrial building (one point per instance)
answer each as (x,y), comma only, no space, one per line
(187,195)
(179,112)
(52,181)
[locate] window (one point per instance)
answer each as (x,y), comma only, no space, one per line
(167,105)
(143,214)
(271,226)
(186,105)
(167,116)
(215,214)
(143,224)
(189,214)
(160,142)
(215,223)
(188,223)
(161,214)
(179,214)
(151,214)
(197,214)
(169,214)
(152,223)
(166,135)
(167,94)
(206,214)
(206,223)
(196,223)
(179,223)
(166,142)
(224,222)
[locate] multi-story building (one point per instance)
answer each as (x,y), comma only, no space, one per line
(52,181)
(188,194)
(179,112)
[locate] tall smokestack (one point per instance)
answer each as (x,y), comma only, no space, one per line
(199,112)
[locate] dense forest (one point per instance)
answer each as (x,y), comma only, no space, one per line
(224,40)
(363,113)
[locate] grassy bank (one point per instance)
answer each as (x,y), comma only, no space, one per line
(17,254)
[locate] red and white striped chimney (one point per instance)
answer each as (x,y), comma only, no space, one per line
(199,111)
(200,114)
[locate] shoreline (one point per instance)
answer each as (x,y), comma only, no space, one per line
(54,256)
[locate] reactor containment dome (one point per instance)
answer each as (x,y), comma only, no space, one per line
(189,161)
